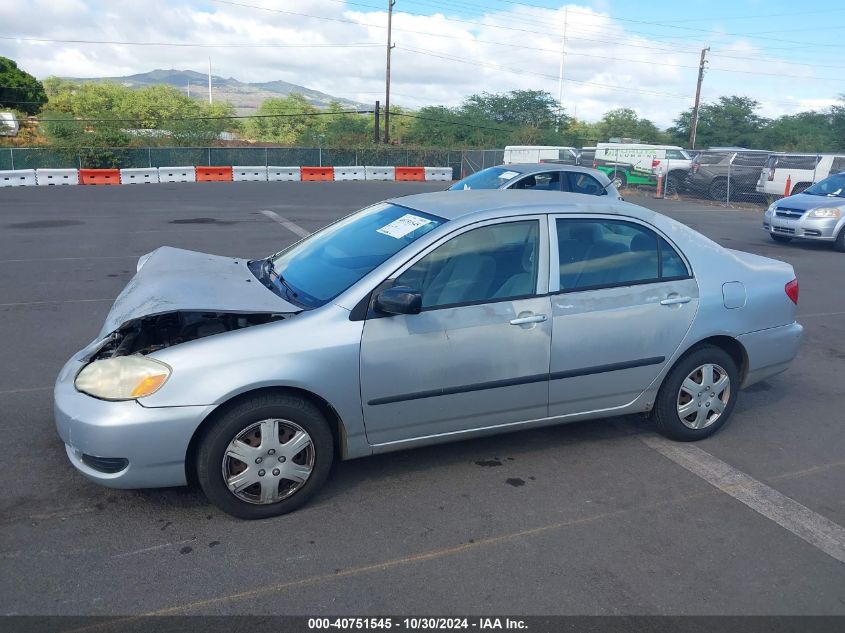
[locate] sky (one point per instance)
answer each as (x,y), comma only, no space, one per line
(640,54)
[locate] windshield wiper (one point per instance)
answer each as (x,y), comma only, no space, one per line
(268,270)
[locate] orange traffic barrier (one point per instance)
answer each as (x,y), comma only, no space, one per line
(99,176)
(317,173)
(214,174)
(410,173)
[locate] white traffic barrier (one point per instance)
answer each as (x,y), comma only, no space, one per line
(17,178)
(283,173)
(438,173)
(177,174)
(242,174)
(380,173)
(350,173)
(137,175)
(56,176)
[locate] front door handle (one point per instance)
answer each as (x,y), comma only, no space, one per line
(534,318)
(673,301)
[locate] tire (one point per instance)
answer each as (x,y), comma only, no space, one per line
(621,176)
(675,184)
(246,430)
(839,242)
(718,189)
(781,239)
(704,418)
(798,188)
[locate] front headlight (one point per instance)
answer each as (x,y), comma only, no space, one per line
(827,212)
(122,378)
(771,208)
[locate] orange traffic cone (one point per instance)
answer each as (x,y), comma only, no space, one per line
(788,188)
(659,192)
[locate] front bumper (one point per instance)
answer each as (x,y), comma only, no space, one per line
(153,440)
(806,228)
(770,351)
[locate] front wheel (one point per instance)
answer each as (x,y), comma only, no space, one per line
(698,395)
(839,242)
(265,456)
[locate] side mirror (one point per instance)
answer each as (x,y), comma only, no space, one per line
(398,300)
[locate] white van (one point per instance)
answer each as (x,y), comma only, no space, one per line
(802,170)
(8,124)
(640,164)
(515,154)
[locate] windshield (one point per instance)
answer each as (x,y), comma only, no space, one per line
(832,186)
(320,267)
(490,178)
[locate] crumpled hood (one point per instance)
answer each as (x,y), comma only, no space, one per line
(172,279)
(805,202)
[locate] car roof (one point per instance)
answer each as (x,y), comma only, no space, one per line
(452,205)
(533,168)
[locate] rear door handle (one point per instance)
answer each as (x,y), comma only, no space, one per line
(673,301)
(536,318)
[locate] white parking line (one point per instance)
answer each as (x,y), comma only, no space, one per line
(66,259)
(820,314)
(39,303)
(290,226)
(817,530)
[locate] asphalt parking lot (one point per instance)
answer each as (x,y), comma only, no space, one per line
(586,518)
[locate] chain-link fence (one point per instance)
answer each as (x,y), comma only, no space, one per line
(726,177)
(86,158)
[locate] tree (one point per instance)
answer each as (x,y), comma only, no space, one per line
(18,89)
(728,122)
(106,114)
(286,120)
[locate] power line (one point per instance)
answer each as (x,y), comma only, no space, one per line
(186,44)
(521,71)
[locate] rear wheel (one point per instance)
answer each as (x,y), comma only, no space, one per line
(798,188)
(698,395)
(719,189)
(782,239)
(265,456)
(675,182)
(623,180)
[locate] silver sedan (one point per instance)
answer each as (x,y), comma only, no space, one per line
(817,213)
(541,177)
(419,320)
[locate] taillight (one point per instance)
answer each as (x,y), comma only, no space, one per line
(792,290)
(654,163)
(771,174)
(695,168)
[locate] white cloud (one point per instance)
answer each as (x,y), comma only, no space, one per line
(655,75)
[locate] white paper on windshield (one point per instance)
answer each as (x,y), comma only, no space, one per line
(402,226)
(507,175)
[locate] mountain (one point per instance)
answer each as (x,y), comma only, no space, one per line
(246,97)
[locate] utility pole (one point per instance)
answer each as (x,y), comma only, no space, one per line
(694,119)
(560,71)
(390,4)
(375,125)
(209,79)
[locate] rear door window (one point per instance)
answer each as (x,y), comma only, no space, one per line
(542,181)
(606,253)
(584,183)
